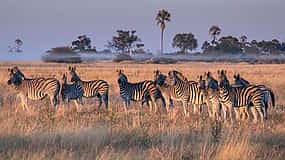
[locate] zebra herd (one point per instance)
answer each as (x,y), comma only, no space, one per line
(223,100)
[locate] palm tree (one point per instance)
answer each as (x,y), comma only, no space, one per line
(243,39)
(214,31)
(162,17)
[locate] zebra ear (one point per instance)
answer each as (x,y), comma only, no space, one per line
(9,70)
(218,72)
(69,68)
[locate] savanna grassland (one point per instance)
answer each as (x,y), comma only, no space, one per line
(42,133)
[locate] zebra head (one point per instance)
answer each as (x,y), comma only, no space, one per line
(240,81)
(201,82)
(211,83)
(223,80)
(174,76)
(122,78)
(15,76)
(74,77)
(159,78)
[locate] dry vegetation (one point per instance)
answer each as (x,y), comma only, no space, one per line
(67,134)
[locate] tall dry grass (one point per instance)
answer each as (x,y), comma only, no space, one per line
(42,133)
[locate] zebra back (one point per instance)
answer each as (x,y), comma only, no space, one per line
(91,88)
(135,91)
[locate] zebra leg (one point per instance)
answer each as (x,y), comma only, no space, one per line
(153,103)
(254,112)
(100,103)
(224,108)
(195,108)
(105,99)
(237,113)
(185,105)
(24,101)
(260,111)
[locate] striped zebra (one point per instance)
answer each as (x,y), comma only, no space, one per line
(34,89)
(212,92)
(93,88)
(165,89)
(234,97)
(145,90)
(71,92)
(186,91)
(268,93)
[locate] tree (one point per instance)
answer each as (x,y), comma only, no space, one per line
(82,43)
(214,31)
(243,41)
(18,45)
(162,17)
(123,41)
(205,45)
(229,44)
(185,41)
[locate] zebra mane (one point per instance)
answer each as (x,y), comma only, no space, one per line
(240,80)
(180,75)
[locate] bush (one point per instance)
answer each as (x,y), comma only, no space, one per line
(122,57)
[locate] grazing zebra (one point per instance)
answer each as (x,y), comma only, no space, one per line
(212,92)
(71,92)
(145,90)
(34,89)
(93,88)
(186,91)
(268,93)
(234,97)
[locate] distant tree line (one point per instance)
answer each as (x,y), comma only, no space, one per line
(127,41)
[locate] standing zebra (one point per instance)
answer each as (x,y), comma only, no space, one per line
(165,89)
(145,90)
(212,94)
(93,88)
(71,92)
(268,93)
(186,91)
(234,97)
(35,89)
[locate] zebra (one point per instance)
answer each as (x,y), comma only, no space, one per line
(185,91)
(234,97)
(144,90)
(212,92)
(165,89)
(93,88)
(71,92)
(34,89)
(268,93)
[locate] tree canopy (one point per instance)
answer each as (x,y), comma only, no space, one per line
(123,41)
(185,41)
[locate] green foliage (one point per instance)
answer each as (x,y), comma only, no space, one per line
(185,41)
(123,41)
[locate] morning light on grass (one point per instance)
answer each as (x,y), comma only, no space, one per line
(142,80)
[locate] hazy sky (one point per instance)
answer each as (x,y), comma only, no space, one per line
(43,24)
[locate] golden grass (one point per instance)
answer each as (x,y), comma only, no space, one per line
(66,134)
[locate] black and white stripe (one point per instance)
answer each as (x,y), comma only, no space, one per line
(140,91)
(71,92)
(186,91)
(93,88)
(34,89)
(233,97)
(267,92)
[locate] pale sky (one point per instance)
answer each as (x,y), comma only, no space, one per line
(43,24)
